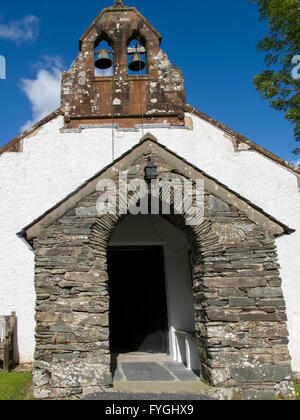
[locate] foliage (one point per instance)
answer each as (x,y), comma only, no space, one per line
(15,386)
(282,43)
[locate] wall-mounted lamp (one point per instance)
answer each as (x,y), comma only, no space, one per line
(150,170)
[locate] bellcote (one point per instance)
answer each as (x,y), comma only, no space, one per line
(126,93)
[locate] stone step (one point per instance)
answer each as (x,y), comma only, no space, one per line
(177,387)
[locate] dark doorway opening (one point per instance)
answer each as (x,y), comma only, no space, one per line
(138,305)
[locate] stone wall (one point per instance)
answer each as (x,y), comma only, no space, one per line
(240,311)
(239,306)
(72,336)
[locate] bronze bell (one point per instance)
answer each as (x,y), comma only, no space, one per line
(103,60)
(137,64)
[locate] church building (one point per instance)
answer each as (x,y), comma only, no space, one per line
(220,292)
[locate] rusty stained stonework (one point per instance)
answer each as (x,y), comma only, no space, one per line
(157,97)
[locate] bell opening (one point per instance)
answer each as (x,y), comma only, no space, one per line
(103,60)
(136,55)
(137,63)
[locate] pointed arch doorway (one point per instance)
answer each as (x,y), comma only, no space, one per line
(150,287)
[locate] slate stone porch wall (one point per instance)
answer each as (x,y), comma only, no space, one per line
(239,306)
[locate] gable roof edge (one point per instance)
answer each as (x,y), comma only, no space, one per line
(242,139)
(33,229)
(7,147)
(119,9)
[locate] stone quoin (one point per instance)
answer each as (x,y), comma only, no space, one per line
(232,279)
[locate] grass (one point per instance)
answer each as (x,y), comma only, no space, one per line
(298,391)
(16,386)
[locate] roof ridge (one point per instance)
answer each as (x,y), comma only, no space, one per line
(187,108)
(241,138)
(13,143)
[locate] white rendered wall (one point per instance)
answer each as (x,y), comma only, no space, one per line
(53,164)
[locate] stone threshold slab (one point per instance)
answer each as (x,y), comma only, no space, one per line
(193,388)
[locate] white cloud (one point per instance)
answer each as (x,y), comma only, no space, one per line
(46,62)
(43,91)
(103,73)
(20,31)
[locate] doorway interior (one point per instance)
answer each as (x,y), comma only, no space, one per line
(151,290)
(138,303)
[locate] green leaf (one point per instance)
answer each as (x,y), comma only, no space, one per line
(280,46)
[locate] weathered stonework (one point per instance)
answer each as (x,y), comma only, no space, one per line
(239,308)
(157,97)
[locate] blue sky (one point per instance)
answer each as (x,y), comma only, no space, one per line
(214,43)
